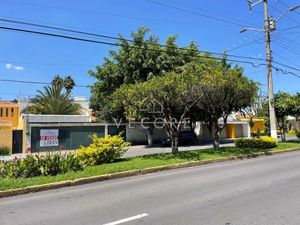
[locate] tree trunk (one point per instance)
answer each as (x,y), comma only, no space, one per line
(150,135)
(216,135)
(174,142)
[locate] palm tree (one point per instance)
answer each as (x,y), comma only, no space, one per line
(53,100)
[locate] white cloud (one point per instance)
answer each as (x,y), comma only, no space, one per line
(11,66)
(19,68)
(8,66)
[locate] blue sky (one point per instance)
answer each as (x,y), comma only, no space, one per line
(39,58)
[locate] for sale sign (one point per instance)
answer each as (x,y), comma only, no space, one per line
(49,138)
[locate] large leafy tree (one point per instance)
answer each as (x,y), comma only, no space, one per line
(175,94)
(54,100)
(285,105)
(225,90)
(135,61)
(296,111)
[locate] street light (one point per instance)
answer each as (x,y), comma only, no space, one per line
(291,9)
(249,28)
(273,22)
(270,26)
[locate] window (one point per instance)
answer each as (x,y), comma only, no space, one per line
(6,112)
(12,112)
(1,112)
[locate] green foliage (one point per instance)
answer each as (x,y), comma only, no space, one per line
(4,150)
(135,62)
(225,89)
(103,150)
(53,100)
(174,93)
(262,143)
(68,83)
(51,164)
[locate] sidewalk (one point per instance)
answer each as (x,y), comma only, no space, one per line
(138,150)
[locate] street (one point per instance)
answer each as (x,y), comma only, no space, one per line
(261,191)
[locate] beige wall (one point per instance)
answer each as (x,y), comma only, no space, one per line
(6,138)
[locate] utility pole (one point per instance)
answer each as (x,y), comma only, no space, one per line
(267,30)
(269,26)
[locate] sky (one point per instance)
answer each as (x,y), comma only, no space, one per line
(214,25)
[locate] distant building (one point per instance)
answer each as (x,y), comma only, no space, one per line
(9,115)
(9,122)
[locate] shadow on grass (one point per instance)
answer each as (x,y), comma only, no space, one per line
(293,141)
(187,155)
(202,154)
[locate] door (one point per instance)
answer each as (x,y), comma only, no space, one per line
(17,141)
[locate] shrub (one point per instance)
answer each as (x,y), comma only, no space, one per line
(4,150)
(40,165)
(262,142)
(103,150)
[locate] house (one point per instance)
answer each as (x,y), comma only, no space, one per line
(9,124)
(9,114)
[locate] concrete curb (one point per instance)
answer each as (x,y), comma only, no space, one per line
(87,180)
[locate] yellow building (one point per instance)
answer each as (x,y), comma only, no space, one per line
(9,122)
(258,125)
(9,112)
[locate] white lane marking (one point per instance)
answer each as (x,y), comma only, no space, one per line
(127,219)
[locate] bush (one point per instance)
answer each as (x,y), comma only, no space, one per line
(103,150)
(40,165)
(4,150)
(262,142)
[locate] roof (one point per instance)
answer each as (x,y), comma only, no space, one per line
(7,103)
(31,118)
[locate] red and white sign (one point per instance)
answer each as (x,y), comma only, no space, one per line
(49,138)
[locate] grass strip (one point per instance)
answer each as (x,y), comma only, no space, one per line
(137,163)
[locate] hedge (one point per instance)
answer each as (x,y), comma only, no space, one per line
(262,142)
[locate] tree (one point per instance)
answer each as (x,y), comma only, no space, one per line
(135,62)
(285,105)
(68,83)
(175,93)
(296,110)
(226,90)
(53,100)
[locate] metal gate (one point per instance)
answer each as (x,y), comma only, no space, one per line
(17,144)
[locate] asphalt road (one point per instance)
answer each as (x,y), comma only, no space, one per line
(261,191)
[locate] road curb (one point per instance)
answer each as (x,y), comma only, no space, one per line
(87,180)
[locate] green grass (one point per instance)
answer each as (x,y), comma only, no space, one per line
(140,162)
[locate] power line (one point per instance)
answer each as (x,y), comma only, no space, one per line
(36,82)
(210,12)
(119,45)
(285,5)
(285,59)
(93,12)
(111,37)
(208,16)
(148,49)
(47,64)
(291,18)
(63,29)
(246,44)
